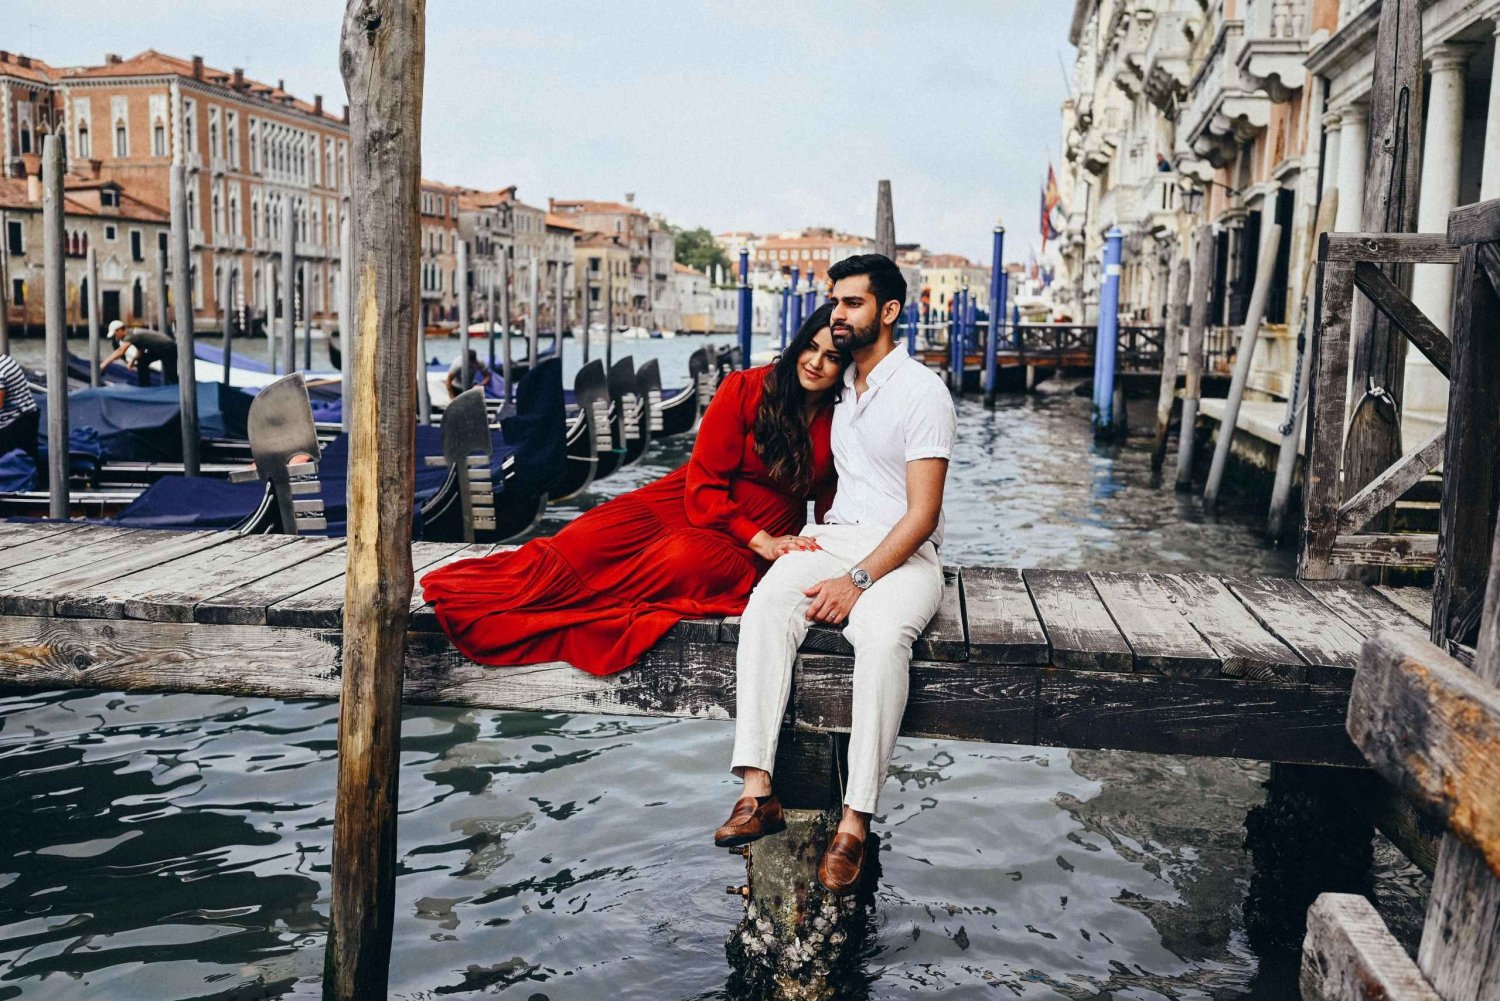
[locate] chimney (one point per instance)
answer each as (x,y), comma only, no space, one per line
(346,114)
(318,104)
(112,59)
(4,56)
(34,188)
(23,61)
(630,198)
(239,78)
(281,84)
(197,67)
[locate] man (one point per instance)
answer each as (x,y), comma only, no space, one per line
(479,374)
(877,569)
(19,416)
(150,346)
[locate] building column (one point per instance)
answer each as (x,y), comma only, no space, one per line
(1432,284)
(1333,124)
(1489,180)
(1353,156)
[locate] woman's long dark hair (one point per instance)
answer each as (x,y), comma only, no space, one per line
(781,438)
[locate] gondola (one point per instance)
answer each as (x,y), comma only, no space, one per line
(590,433)
(635,435)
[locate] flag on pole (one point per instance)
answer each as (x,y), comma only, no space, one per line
(1051,209)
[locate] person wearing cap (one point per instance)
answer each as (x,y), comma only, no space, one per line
(150,346)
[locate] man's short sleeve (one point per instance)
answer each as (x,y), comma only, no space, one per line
(931,422)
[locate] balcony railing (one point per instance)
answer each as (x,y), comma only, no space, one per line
(1273,56)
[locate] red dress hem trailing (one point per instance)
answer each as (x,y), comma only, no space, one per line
(616,579)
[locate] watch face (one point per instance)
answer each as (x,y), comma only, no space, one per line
(861,578)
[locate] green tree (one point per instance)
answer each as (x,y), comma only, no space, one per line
(697,249)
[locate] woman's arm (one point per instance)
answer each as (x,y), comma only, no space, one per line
(718,454)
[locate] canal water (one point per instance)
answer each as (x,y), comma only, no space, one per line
(177,846)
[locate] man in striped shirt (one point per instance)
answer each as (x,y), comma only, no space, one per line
(18,411)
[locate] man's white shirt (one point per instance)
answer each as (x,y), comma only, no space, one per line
(905,414)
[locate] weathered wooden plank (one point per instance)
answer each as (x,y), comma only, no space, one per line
(1414,601)
(1416,550)
(1327,394)
(960,701)
(1366,610)
(1350,955)
(16,533)
(1240,642)
(174,597)
(100,548)
(51,595)
(1387,488)
(1003,624)
(1476,223)
(322,606)
(1080,631)
(1389,248)
(945,637)
(1459,954)
(1234,717)
(1160,636)
(422,617)
(246,605)
(1300,621)
(1471,494)
(51,545)
(1431,727)
(109,599)
(1400,310)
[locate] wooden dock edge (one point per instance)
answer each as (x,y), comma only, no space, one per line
(690,674)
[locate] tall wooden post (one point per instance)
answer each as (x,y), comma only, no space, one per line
(306,298)
(1391,184)
(465,369)
(288,286)
(269,281)
(226,310)
(347,333)
(1249,337)
(424,391)
(182,306)
(1192,387)
(505,306)
(562,308)
(1171,347)
(55,305)
(609,313)
(162,268)
(533,321)
(382,56)
(93,308)
(489,319)
(885,223)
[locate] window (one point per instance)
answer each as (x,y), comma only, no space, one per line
(232,139)
(110,232)
(158,139)
(214,149)
(109,197)
(15,237)
(254,146)
(189,127)
(85,148)
(234,212)
(122,140)
(161,241)
(137,249)
(18,291)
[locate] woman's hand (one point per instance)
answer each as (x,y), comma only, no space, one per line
(770,547)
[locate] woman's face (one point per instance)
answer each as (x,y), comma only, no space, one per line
(819,367)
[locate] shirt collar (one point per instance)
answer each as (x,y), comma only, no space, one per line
(882,372)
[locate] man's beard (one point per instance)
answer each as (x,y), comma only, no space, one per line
(853,338)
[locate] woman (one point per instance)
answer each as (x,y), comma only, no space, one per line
(612,582)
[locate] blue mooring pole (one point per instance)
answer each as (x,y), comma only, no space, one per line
(913,314)
(997,316)
(797,311)
(971,322)
(784,315)
(1108,337)
(744,309)
(956,338)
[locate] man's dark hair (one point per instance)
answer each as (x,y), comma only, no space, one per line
(886,280)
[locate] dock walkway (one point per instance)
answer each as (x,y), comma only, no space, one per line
(1172,663)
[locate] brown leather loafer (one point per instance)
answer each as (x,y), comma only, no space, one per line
(750,820)
(842,864)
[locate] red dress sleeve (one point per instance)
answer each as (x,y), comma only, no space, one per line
(717,456)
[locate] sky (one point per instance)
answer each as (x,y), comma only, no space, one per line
(757,115)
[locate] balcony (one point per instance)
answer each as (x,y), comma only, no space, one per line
(1273,56)
(1224,111)
(1164,63)
(1159,200)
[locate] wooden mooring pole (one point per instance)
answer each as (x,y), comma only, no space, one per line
(465,369)
(306,299)
(93,308)
(268,283)
(55,304)
(1171,347)
(347,334)
(1249,337)
(288,286)
(382,52)
(162,323)
(226,311)
(4,286)
(1192,386)
(506,359)
(562,307)
(182,306)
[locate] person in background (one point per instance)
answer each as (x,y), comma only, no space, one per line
(19,415)
(479,374)
(150,346)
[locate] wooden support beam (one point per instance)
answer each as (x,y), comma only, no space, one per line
(1477,223)
(1192,389)
(1400,310)
(1432,728)
(1349,955)
(1386,550)
(1328,392)
(1171,349)
(1391,248)
(382,54)
(1387,488)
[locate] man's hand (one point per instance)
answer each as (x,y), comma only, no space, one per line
(833,599)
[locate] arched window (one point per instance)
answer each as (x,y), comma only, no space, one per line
(85,148)
(234,212)
(218,210)
(122,139)
(158,138)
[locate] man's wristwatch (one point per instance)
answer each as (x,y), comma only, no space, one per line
(861,578)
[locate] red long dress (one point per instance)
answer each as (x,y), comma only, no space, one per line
(600,592)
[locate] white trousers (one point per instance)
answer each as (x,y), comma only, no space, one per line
(885,622)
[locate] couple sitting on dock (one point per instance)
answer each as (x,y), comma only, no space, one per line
(845,418)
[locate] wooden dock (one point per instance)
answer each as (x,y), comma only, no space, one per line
(1172,663)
